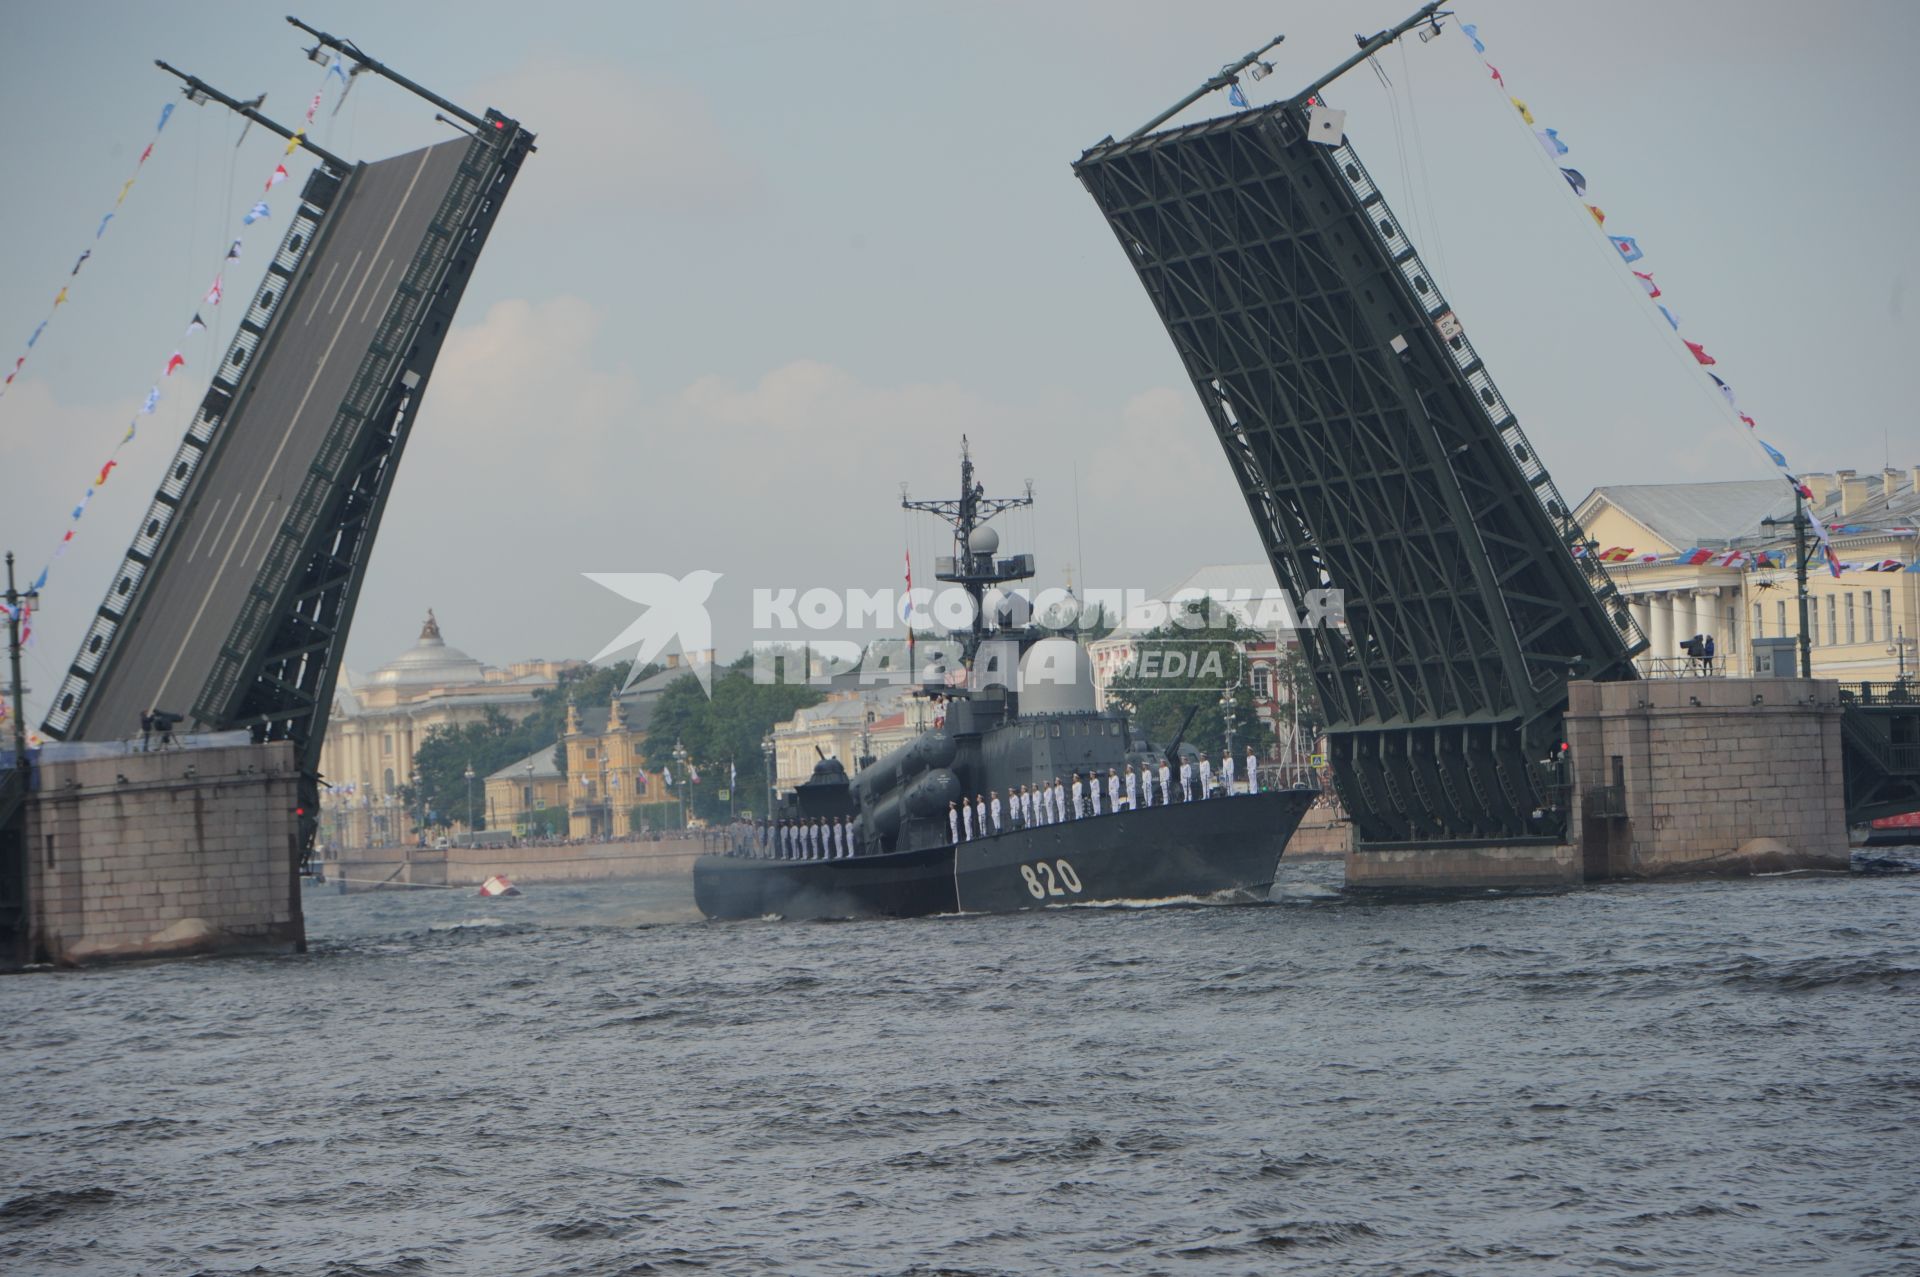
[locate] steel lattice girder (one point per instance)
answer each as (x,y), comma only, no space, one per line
(279,666)
(1395,475)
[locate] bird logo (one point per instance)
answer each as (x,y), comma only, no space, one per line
(676,610)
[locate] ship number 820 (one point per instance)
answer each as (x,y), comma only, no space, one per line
(1043,881)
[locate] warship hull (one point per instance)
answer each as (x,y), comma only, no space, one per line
(1220,849)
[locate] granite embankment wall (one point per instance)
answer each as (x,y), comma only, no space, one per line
(136,854)
(368,869)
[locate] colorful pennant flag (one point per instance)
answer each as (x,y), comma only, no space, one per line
(1575,179)
(1673,320)
(1472,33)
(255,213)
(1629,250)
(276,177)
(78,264)
(1551,143)
(1774,454)
(1726,392)
(1495,71)
(166,112)
(1646,283)
(213,294)
(103,226)
(1521,107)
(1599,218)
(153,401)
(175,361)
(1699,352)
(196,324)
(293,143)
(1239,99)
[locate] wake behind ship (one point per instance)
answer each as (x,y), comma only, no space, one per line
(1019,797)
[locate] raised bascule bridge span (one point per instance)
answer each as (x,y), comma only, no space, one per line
(1376,454)
(233,602)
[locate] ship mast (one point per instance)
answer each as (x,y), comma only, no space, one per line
(972,565)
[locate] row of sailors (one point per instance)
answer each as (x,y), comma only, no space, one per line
(813,838)
(1128,788)
(1028,807)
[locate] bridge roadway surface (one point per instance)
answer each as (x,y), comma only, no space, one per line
(215,547)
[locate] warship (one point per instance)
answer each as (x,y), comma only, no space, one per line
(1015,709)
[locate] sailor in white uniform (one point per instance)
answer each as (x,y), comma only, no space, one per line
(966,819)
(1133,789)
(1059,799)
(993,808)
(1206,777)
(1093,790)
(1113,789)
(980,814)
(1226,771)
(1079,796)
(1166,782)
(1186,780)
(1253,772)
(953,822)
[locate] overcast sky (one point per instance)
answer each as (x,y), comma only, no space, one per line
(771,260)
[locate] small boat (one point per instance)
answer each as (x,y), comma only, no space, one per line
(498,886)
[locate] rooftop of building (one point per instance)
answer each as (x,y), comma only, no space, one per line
(545,765)
(1712,515)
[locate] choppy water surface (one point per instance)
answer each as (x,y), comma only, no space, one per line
(1684,1079)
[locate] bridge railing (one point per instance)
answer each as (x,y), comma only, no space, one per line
(1678,667)
(1898,692)
(1426,293)
(196,445)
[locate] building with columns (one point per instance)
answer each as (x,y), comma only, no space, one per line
(1863,624)
(379,720)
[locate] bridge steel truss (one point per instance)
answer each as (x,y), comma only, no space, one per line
(1376,456)
(276,670)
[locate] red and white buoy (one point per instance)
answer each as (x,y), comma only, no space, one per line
(498,886)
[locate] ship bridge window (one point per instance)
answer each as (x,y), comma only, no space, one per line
(1056,731)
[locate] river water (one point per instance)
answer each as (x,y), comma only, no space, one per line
(1711,1077)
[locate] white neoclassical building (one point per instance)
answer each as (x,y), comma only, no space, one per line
(381,719)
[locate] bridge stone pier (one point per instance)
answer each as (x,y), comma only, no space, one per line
(134,854)
(1665,777)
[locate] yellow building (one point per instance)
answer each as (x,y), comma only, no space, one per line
(1863,624)
(379,721)
(605,751)
(524,787)
(834,727)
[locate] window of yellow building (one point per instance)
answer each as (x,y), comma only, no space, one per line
(1850,637)
(1783,617)
(1833,623)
